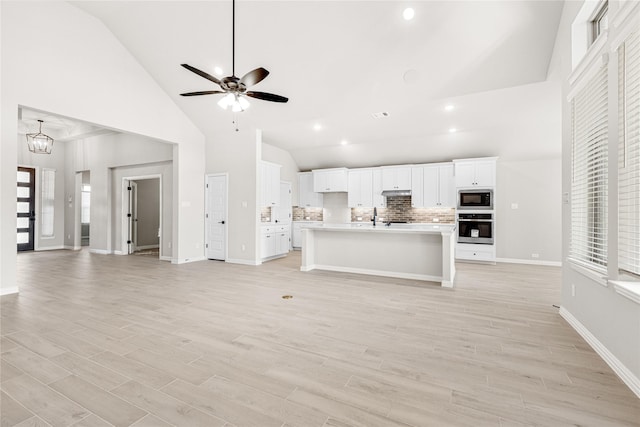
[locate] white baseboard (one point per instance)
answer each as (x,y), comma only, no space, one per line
(72,248)
(100,251)
(251,262)
(120,253)
(142,248)
(614,363)
(529,261)
(50,248)
(399,275)
(165,258)
(186,260)
(8,291)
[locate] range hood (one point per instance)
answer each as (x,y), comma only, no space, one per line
(391,193)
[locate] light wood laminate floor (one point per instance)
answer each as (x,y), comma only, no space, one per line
(97,340)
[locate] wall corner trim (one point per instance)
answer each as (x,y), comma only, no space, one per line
(8,291)
(614,363)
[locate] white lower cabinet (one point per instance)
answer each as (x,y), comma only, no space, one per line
(475,252)
(274,240)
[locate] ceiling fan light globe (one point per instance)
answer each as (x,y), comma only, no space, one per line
(227,101)
(242,101)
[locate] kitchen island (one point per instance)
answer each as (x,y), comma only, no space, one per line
(419,252)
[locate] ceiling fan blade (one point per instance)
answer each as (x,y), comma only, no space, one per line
(205,92)
(201,73)
(266,96)
(254,77)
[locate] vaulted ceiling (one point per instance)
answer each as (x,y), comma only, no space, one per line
(340,61)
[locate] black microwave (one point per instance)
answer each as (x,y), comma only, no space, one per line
(475,199)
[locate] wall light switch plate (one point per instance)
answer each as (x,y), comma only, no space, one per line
(514,206)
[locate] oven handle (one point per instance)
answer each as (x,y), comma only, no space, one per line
(474,220)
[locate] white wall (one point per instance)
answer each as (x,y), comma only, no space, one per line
(89,76)
(109,158)
(238,154)
(288,171)
(535,227)
(605,317)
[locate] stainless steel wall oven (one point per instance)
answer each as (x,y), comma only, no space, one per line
(475,228)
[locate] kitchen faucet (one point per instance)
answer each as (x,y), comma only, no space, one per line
(375,216)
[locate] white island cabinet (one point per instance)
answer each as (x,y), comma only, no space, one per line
(409,252)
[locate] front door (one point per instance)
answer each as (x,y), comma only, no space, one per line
(26,208)
(216,217)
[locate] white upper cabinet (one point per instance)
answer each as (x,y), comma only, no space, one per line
(396,178)
(475,173)
(432,186)
(330,180)
(447,190)
(360,188)
(417,187)
(270,183)
(307,198)
(379,201)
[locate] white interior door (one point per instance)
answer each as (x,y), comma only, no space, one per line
(282,214)
(216,217)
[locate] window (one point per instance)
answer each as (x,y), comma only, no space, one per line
(85,204)
(600,21)
(629,155)
(589,164)
(47,202)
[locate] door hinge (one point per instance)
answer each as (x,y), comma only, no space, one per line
(207,185)
(206,245)
(206,215)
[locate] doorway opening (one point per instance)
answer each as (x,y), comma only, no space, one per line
(85,209)
(26,207)
(142,215)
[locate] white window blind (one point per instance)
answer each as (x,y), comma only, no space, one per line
(629,155)
(589,174)
(47,202)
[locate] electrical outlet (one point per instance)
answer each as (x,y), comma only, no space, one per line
(436,220)
(243,248)
(514,206)
(573,290)
(535,255)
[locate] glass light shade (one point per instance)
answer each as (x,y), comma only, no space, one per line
(39,142)
(237,103)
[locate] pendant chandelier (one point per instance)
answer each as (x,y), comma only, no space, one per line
(39,143)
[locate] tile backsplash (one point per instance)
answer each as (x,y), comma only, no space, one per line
(309,214)
(399,209)
(265,214)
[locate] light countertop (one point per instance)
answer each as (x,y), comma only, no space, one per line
(382,228)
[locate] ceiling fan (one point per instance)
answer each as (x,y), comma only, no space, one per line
(234,87)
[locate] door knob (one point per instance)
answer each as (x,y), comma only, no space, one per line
(221,222)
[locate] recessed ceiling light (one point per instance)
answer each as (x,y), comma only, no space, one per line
(317,127)
(453,130)
(449,107)
(408,14)
(218,71)
(344,142)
